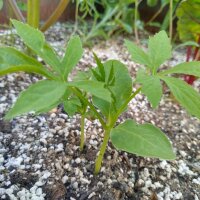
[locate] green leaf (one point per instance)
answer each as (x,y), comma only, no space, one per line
(188,25)
(11,60)
(159,50)
(72,105)
(184,94)
(27,68)
(152,3)
(138,55)
(94,87)
(143,140)
(82,76)
(10,56)
(72,55)
(188,43)
(35,40)
(38,97)
(151,87)
(120,88)
(31,36)
(22,6)
(191,68)
(100,67)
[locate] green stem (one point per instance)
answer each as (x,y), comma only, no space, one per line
(135,28)
(99,159)
(170,19)
(36,13)
(29,11)
(55,15)
(16,10)
(82,131)
(112,122)
(33,13)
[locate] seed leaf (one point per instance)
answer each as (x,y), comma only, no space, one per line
(143,140)
(72,55)
(137,54)
(37,97)
(184,94)
(159,49)
(151,87)
(191,68)
(35,40)
(94,87)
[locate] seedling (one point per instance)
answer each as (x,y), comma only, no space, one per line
(105,91)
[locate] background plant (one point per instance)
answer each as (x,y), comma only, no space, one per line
(107,16)
(106,90)
(168,20)
(33,12)
(189,30)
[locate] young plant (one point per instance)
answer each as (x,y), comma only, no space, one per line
(109,86)
(55,89)
(146,139)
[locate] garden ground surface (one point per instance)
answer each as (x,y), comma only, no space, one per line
(40,157)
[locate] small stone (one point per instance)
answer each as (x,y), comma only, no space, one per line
(2,191)
(183,153)
(95,142)
(75,185)
(60,147)
(43,141)
(91,195)
(39,192)
(53,115)
(64,179)
(66,166)
(84,180)
(78,160)
(33,189)
(130,184)
(46,175)
(109,181)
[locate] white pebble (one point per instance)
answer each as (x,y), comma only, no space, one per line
(84,180)
(39,192)
(75,185)
(64,179)
(78,160)
(60,147)
(66,166)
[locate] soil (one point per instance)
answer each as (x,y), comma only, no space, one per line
(40,156)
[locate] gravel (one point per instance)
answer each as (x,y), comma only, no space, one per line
(40,157)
